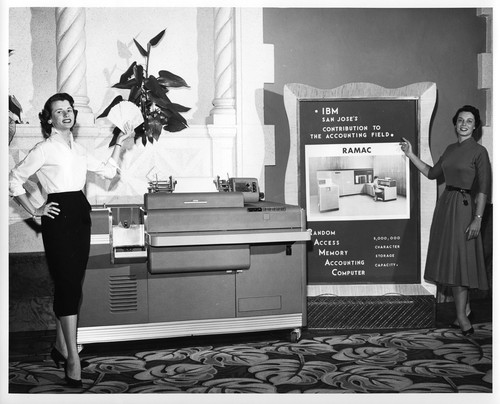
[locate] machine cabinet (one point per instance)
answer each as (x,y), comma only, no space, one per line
(248,274)
(389,194)
(113,294)
(328,197)
(189,297)
(272,286)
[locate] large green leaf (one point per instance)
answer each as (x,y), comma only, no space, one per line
(135,94)
(128,73)
(126,86)
(179,107)
(170,114)
(154,41)
(162,102)
(152,85)
(154,127)
(175,125)
(169,79)
(143,51)
(170,108)
(178,117)
(140,134)
(139,73)
(105,113)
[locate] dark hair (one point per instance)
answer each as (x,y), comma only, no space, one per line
(473,110)
(46,113)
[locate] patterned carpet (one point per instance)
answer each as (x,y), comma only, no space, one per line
(437,360)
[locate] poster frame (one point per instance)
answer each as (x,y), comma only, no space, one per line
(425,93)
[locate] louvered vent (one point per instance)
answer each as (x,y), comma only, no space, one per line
(122,293)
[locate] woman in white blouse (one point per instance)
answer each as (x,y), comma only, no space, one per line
(61,165)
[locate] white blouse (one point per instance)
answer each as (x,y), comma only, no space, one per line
(59,168)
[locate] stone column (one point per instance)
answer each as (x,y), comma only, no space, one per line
(222,126)
(224,111)
(71,60)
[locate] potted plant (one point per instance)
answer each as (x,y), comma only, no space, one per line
(149,93)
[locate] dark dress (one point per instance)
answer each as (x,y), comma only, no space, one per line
(453,260)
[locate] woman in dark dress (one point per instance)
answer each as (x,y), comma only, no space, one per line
(61,166)
(455,254)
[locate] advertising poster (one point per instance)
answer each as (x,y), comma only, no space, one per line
(359,191)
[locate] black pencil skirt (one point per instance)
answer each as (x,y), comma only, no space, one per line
(66,240)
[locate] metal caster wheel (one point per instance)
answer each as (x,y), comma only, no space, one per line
(295,335)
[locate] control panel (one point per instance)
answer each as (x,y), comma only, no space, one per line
(248,186)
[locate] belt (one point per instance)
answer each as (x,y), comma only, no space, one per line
(461,190)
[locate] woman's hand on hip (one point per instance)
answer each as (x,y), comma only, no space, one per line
(49,209)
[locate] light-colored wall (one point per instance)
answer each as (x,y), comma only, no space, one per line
(200,45)
(185,50)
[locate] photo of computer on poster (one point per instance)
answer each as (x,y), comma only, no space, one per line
(367,181)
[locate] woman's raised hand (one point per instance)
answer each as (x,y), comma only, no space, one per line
(128,131)
(128,128)
(406,146)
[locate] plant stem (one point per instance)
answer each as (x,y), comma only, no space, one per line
(147,60)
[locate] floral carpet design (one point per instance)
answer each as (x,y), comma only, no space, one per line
(414,361)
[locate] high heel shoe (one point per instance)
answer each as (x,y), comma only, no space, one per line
(58,357)
(470,316)
(468,332)
(71,382)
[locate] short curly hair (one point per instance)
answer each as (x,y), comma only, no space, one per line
(46,114)
(473,110)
